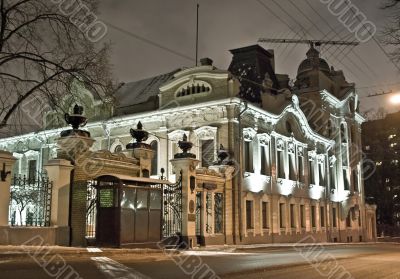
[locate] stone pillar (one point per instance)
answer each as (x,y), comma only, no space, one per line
(188,168)
(75,149)
(59,172)
(144,155)
(6,165)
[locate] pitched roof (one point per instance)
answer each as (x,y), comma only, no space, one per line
(138,92)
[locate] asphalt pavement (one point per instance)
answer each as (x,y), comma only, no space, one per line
(311,261)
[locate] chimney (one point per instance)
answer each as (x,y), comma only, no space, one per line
(206,62)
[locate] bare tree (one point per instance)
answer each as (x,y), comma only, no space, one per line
(391,32)
(44,46)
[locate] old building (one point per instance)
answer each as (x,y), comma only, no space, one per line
(381,146)
(294,149)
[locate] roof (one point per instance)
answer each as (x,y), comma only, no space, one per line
(141,91)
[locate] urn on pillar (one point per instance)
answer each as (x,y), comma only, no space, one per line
(186,163)
(140,150)
(74,142)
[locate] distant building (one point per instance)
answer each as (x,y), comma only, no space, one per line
(297,171)
(381,144)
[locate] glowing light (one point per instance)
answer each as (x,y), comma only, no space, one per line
(395,99)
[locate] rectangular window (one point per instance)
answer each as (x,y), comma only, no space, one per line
(311,171)
(218,213)
(264,164)
(249,215)
(247,157)
(279,164)
(359,218)
(334,217)
(292,168)
(282,215)
(322,216)
(292,216)
(348,220)
(321,172)
(265,215)
(207,153)
(346,180)
(302,216)
(301,168)
(32,170)
(332,175)
(313,216)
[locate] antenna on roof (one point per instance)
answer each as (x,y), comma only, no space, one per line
(197,36)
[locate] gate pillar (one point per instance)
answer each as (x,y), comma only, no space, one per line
(59,172)
(6,164)
(186,163)
(188,168)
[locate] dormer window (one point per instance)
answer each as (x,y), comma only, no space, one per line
(195,87)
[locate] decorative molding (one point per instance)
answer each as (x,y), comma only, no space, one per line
(249,134)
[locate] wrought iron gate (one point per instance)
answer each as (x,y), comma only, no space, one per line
(91,210)
(30,203)
(172,219)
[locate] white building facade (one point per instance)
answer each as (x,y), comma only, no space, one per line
(297,170)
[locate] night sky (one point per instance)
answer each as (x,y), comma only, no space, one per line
(229,24)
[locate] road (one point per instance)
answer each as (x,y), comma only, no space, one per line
(339,261)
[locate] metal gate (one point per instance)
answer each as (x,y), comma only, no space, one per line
(172,217)
(30,203)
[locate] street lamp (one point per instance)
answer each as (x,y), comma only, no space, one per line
(395,99)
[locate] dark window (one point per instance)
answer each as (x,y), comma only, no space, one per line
(265,215)
(359,218)
(313,216)
(348,220)
(311,169)
(301,168)
(332,175)
(292,219)
(207,153)
(264,165)
(249,215)
(247,156)
(154,161)
(292,166)
(346,180)
(282,215)
(32,170)
(343,133)
(279,164)
(321,174)
(322,216)
(334,218)
(302,216)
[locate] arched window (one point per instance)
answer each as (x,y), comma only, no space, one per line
(118,149)
(154,161)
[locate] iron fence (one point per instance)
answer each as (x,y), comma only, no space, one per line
(30,203)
